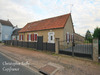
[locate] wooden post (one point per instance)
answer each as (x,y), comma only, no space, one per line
(57,46)
(95,50)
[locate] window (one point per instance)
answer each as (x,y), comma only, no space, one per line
(29,37)
(32,37)
(72,38)
(67,37)
(18,37)
(21,37)
(35,37)
(51,37)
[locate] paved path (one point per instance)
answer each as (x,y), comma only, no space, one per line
(13,70)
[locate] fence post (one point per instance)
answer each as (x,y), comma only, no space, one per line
(73,49)
(95,50)
(57,45)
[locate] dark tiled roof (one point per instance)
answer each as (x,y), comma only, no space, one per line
(15,32)
(51,23)
(8,23)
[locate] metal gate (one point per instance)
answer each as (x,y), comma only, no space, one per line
(78,47)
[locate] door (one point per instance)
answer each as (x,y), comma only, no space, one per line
(51,37)
(40,43)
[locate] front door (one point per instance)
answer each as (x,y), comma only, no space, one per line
(51,37)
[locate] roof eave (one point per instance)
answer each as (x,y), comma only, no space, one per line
(40,30)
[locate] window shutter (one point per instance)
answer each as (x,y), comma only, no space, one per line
(22,37)
(27,37)
(19,37)
(33,37)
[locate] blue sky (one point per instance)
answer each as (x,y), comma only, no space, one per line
(85,13)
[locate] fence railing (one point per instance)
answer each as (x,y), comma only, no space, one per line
(45,46)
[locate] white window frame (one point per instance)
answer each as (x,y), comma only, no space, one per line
(72,37)
(29,37)
(49,37)
(21,37)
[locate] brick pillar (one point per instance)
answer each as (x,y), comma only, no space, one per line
(57,45)
(95,50)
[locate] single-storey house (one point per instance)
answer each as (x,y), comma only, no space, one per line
(56,27)
(15,34)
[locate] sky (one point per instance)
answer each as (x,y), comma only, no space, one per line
(85,13)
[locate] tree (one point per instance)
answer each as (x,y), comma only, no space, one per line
(96,33)
(88,36)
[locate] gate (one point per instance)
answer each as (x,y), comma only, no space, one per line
(40,43)
(78,47)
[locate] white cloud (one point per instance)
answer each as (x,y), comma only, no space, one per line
(85,13)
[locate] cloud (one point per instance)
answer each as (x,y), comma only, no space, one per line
(85,13)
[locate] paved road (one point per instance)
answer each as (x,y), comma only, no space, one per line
(6,69)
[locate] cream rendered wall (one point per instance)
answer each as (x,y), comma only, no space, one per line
(68,28)
(58,33)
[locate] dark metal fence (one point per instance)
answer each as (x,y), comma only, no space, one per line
(99,47)
(49,46)
(78,47)
(35,45)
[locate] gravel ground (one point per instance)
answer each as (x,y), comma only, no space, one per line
(37,59)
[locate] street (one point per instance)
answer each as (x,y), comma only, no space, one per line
(8,67)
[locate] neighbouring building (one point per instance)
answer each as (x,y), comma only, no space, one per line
(56,27)
(78,37)
(6,29)
(15,34)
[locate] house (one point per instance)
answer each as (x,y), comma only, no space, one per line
(56,27)
(15,34)
(78,37)
(6,29)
